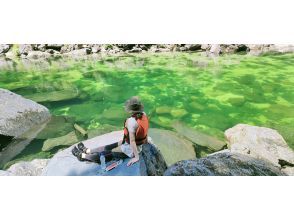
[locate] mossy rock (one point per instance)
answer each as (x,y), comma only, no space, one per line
(230,98)
(54,96)
(65,140)
(57,126)
(197,106)
(178,113)
(199,138)
(163,110)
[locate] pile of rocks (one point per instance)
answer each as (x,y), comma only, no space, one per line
(41,51)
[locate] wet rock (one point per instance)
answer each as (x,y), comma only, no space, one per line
(199,138)
(18,115)
(65,140)
(259,142)
(65,164)
(38,55)
(33,168)
(4,48)
(172,146)
(224,164)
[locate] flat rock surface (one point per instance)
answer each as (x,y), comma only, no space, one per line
(65,164)
(18,115)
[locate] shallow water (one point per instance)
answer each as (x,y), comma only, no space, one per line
(208,94)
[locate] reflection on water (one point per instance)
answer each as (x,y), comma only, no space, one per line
(207,94)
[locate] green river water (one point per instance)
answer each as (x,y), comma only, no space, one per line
(207,94)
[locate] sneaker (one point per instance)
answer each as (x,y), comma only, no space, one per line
(81,147)
(77,153)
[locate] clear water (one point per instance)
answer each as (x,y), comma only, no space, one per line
(207,94)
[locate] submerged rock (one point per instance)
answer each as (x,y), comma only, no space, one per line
(57,126)
(32,168)
(65,140)
(173,147)
(261,143)
(54,96)
(65,164)
(224,164)
(199,138)
(18,115)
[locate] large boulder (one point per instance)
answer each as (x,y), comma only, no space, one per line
(173,147)
(65,164)
(24,168)
(224,164)
(18,115)
(261,143)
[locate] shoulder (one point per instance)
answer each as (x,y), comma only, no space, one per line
(131,124)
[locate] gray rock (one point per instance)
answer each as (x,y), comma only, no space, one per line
(4,48)
(259,142)
(18,115)
(79,52)
(96,49)
(215,49)
(173,147)
(224,164)
(24,49)
(70,47)
(18,144)
(38,55)
(193,47)
(282,48)
(54,46)
(135,50)
(65,164)
(33,168)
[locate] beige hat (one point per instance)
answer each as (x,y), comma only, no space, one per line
(134,105)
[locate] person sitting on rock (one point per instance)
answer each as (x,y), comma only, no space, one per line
(135,135)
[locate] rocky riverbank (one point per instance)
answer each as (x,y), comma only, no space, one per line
(44,51)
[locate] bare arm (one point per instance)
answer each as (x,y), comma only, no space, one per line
(135,149)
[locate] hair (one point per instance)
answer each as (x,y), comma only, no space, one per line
(134,105)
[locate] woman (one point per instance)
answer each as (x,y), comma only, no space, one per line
(135,135)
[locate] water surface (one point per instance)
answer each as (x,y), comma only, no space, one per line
(207,94)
